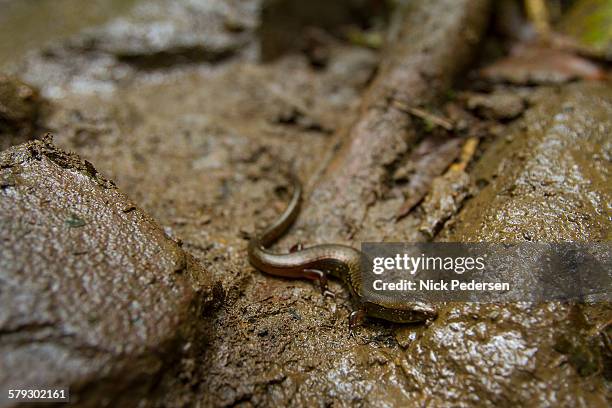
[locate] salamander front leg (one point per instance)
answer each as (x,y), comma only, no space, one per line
(356,318)
(320,276)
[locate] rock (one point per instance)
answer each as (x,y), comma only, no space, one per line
(483,354)
(529,65)
(498,105)
(163,32)
(153,36)
(94,295)
(19,109)
(18,102)
(548,180)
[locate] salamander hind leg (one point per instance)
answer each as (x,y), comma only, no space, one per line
(320,276)
(296,248)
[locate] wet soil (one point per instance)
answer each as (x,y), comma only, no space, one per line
(202,146)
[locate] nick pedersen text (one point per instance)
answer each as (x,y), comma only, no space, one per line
(439,286)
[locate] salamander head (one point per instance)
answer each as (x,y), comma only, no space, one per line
(400,312)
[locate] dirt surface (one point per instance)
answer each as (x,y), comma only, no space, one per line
(94,295)
(202,144)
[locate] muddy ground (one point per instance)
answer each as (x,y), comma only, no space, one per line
(170,101)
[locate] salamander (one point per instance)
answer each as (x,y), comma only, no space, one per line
(317,262)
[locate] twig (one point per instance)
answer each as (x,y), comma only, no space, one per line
(427,116)
(538,14)
(467,153)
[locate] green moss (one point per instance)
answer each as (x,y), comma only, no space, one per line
(590,23)
(74,221)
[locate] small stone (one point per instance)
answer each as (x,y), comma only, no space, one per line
(74,221)
(497,106)
(19,102)
(405,336)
